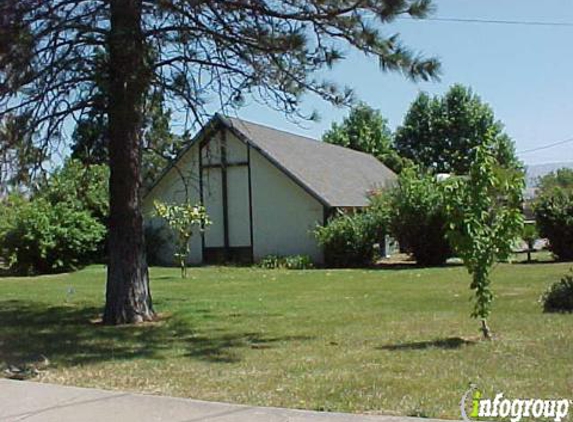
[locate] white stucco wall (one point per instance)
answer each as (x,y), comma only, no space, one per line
(238,193)
(238,202)
(284,214)
(213,197)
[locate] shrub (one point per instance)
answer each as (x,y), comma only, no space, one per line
(417,217)
(291,262)
(559,296)
(554,216)
(60,224)
(270,262)
(348,239)
(297,262)
(44,238)
(81,187)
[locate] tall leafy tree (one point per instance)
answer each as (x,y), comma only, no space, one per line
(192,51)
(441,133)
(366,130)
(561,178)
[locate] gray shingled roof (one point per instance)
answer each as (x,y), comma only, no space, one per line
(338,176)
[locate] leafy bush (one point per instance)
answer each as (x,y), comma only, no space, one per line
(298,262)
(348,239)
(58,226)
(417,217)
(554,216)
(291,262)
(81,187)
(559,296)
(44,238)
(270,262)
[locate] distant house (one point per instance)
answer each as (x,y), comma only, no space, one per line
(264,189)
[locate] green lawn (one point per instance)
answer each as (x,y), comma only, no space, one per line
(395,341)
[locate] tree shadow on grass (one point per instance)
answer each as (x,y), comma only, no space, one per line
(227,347)
(67,336)
(444,343)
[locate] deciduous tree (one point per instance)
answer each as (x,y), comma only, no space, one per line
(441,133)
(366,130)
(485,219)
(181,220)
(561,178)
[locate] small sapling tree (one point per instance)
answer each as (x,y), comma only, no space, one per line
(529,235)
(182,219)
(484,221)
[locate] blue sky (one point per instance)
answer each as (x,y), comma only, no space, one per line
(524,72)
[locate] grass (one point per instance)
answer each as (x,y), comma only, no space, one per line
(393,341)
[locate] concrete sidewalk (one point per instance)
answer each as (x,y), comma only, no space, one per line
(37,402)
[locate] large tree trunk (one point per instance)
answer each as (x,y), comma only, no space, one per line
(128,298)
